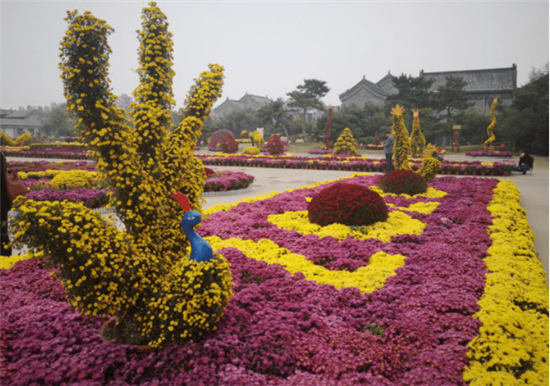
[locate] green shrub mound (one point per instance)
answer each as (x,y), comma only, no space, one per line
(347,204)
(403,182)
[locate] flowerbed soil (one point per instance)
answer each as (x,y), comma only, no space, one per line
(446,291)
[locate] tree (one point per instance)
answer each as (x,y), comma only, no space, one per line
(239,121)
(526,122)
(413,92)
(124,101)
(274,117)
(59,123)
(451,99)
(350,117)
(308,94)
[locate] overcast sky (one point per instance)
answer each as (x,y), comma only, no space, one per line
(269,48)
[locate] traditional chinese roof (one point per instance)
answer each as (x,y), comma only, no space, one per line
(492,79)
(366,86)
(20,118)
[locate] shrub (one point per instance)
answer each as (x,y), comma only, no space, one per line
(275,145)
(217,138)
(251,150)
(403,181)
(347,204)
(229,145)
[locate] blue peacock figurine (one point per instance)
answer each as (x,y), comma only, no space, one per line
(201,251)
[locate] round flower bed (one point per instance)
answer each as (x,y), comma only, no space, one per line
(226,180)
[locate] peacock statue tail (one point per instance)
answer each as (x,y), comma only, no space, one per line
(490,129)
(430,166)
(133,270)
(326,138)
(417,139)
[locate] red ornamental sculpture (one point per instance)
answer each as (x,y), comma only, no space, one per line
(326,138)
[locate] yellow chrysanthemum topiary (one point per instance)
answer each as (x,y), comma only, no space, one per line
(72,179)
(5,140)
(24,139)
(346,143)
(490,128)
(257,139)
(417,140)
(124,273)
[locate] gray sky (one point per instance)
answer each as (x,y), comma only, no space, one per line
(268,48)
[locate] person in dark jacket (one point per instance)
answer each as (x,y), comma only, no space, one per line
(5,207)
(388,151)
(525,162)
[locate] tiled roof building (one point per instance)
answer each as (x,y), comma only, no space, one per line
(14,123)
(481,87)
(248,102)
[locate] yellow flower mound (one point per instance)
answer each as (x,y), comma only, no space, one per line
(251,150)
(73,179)
(398,223)
(514,307)
(367,279)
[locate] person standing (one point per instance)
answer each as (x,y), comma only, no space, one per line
(388,151)
(5,206)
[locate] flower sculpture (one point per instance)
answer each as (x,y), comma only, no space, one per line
(275,145)
(491,126)
(401,146)
(257,139)
(142,274)
(346,144)
(418,142)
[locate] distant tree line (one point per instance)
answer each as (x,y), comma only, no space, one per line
(524,122)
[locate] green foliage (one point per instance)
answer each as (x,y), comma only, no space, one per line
(299,126)
(274,117)
(346,117)
(59,123)
(238,121)
(308,94)
(451,98)
(413,92)
(526,121)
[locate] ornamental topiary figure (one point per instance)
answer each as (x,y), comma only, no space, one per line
(214,143)
(417,140)
(347,204)
(490,132)
(142,274)
(5,140)
(401,146)
(256,139)
(346,144)
(229,145)
(275,145)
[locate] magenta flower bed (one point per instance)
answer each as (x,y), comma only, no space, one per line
(228,181)
(63,153)
(487,153)
(351,163)
(92,198)
(280,329)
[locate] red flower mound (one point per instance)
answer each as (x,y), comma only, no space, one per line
(275,145)
(229,145)
(403,181)
(347,204)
